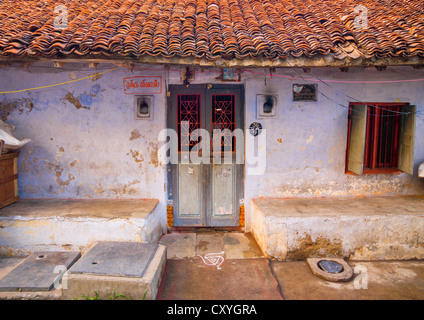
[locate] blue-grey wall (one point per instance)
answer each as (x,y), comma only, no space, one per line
(87,144)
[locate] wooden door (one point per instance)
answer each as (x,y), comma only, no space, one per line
(205,186)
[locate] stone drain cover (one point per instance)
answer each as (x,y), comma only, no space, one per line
(330,269)
(330,266)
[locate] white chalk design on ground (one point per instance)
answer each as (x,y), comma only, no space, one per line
(213,259)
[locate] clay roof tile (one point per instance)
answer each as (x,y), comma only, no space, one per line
(212,29)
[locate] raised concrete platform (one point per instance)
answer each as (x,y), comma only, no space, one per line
(131,269)
(378,228)
(32,225)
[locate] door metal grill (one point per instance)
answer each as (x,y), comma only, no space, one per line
(188,120)
(223,118)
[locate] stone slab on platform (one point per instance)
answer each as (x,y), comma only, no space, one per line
(39,271)
(126,259)
(131,269)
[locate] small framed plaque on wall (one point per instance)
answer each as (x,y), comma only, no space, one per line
(230,74)
(304,92)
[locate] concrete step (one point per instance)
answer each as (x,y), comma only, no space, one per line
(56,225)
(132,270)
(375,228)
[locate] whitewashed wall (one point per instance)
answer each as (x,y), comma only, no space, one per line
(87,144)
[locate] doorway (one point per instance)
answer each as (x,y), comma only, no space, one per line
(206,184)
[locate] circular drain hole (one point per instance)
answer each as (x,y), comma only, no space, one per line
(41,256)
(330,266)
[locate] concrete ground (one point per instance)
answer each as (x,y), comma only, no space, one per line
(245,274)
(376,280)
(230,266)
(235,245)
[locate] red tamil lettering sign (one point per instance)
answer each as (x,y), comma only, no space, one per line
(143,85)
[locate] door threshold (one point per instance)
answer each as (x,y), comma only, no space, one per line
(205,229)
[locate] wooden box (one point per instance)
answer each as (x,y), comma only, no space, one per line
(8,178)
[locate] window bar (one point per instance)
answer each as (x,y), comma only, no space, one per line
(375,136)
(396,129)
(392,116)
(384,120)
(367,155)
(349,121)
(395,137)
(381,137)
(389,142)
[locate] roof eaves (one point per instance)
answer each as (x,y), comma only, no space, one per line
(298,62)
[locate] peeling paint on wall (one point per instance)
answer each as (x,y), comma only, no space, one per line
(135,134)
(85,100)
(311,137)
(63,183)
(99,189)
(72,75)
(73,163)
(153,152)
(331,155)
(75,101)
(127,188)
(82,133)
(8,106)
(96,77)
(138,157)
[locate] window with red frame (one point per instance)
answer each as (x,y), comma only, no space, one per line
(381,126)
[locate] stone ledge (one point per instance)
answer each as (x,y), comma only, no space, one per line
(81,208)
(346,206)
(383,228)
(31,225)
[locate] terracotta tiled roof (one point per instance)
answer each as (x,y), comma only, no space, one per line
(211,29)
